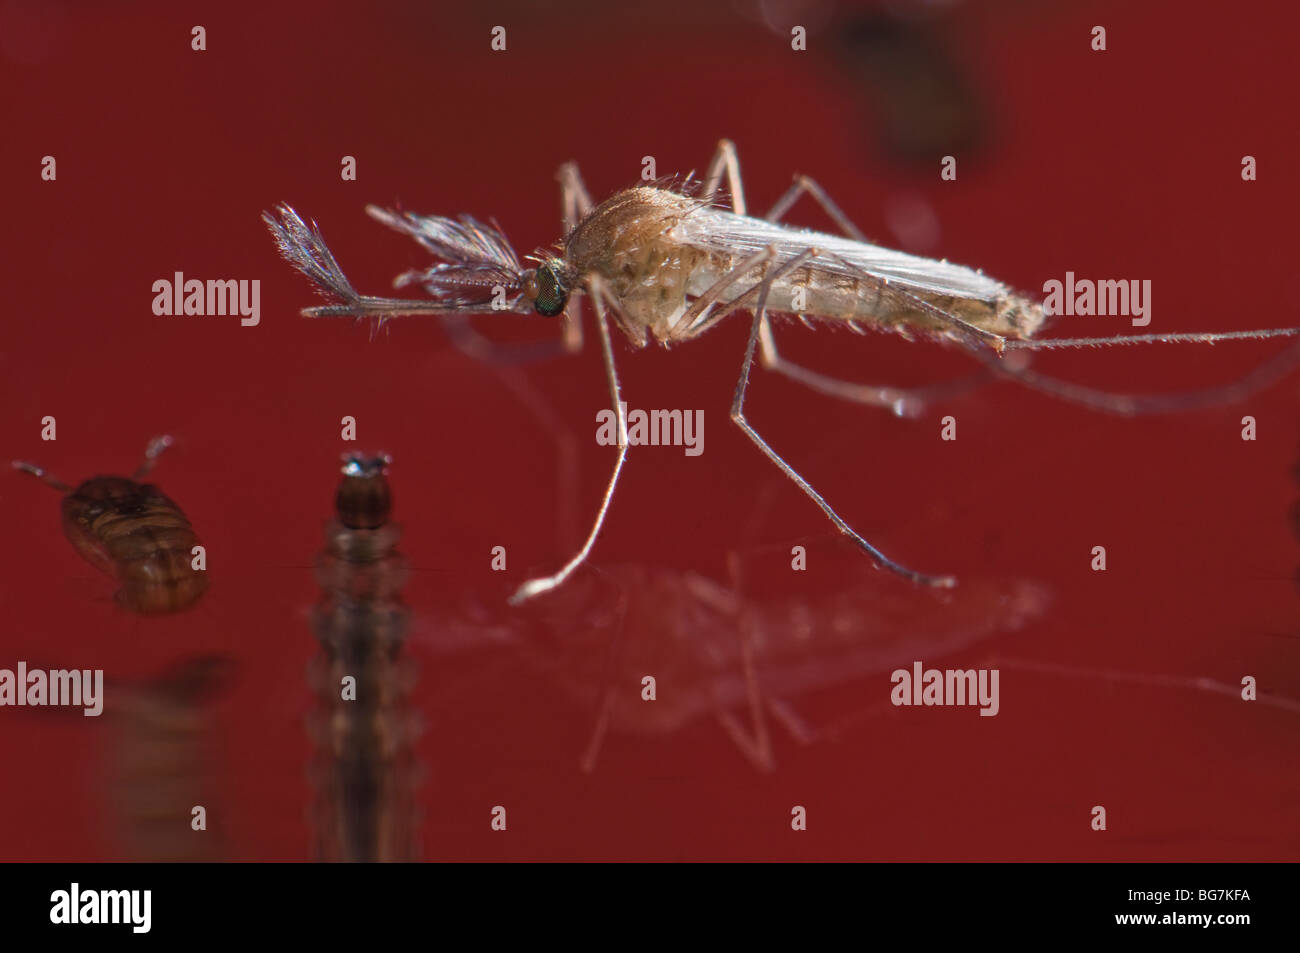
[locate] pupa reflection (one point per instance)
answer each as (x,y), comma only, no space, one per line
(364,772)
(714,651)
(162,759)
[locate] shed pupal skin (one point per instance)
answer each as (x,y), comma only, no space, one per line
(132,531)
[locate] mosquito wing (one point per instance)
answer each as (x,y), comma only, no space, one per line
(716,230)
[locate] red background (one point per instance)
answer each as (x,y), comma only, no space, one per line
(1116,164)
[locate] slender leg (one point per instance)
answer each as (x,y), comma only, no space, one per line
(613,667)
(1115,403)
(904,402)
(1134,405)
(724,161)
(1176,337)
(799,730)
(979,343)
(535,587)
(1197,683)
(151,454)
(714,292)
(736,604)
(738,415)
(804,185)
(482,348)
(757,744)
(49,479)
(576,204)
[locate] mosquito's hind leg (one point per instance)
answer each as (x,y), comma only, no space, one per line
(803,185)
(1137,405)
(738,415)
(903,402)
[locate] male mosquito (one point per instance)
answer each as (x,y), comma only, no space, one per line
(669,263)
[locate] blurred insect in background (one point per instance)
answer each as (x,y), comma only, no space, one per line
(668,265)
(133,532)
(162,762)
(364,773)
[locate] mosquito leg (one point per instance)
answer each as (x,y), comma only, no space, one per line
(803,185)
(613,664)
(576,204)
(482,348)
(1191,682)
(799,730)
(738,415)
(151,454)
(575,198)
(712,295)
(756,744)
(534,587)
(724,161)
(1134,405)
(903,402)
(49,479)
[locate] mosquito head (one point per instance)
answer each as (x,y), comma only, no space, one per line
(547,287)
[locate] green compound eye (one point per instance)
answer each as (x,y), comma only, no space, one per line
(551,293)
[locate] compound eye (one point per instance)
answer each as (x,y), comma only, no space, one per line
(551,293)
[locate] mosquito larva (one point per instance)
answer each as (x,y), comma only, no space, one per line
(364,772)
(662,264)
(133,532)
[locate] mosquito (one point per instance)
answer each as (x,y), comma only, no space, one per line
(666,261)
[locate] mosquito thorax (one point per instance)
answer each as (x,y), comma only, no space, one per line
(546,287)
